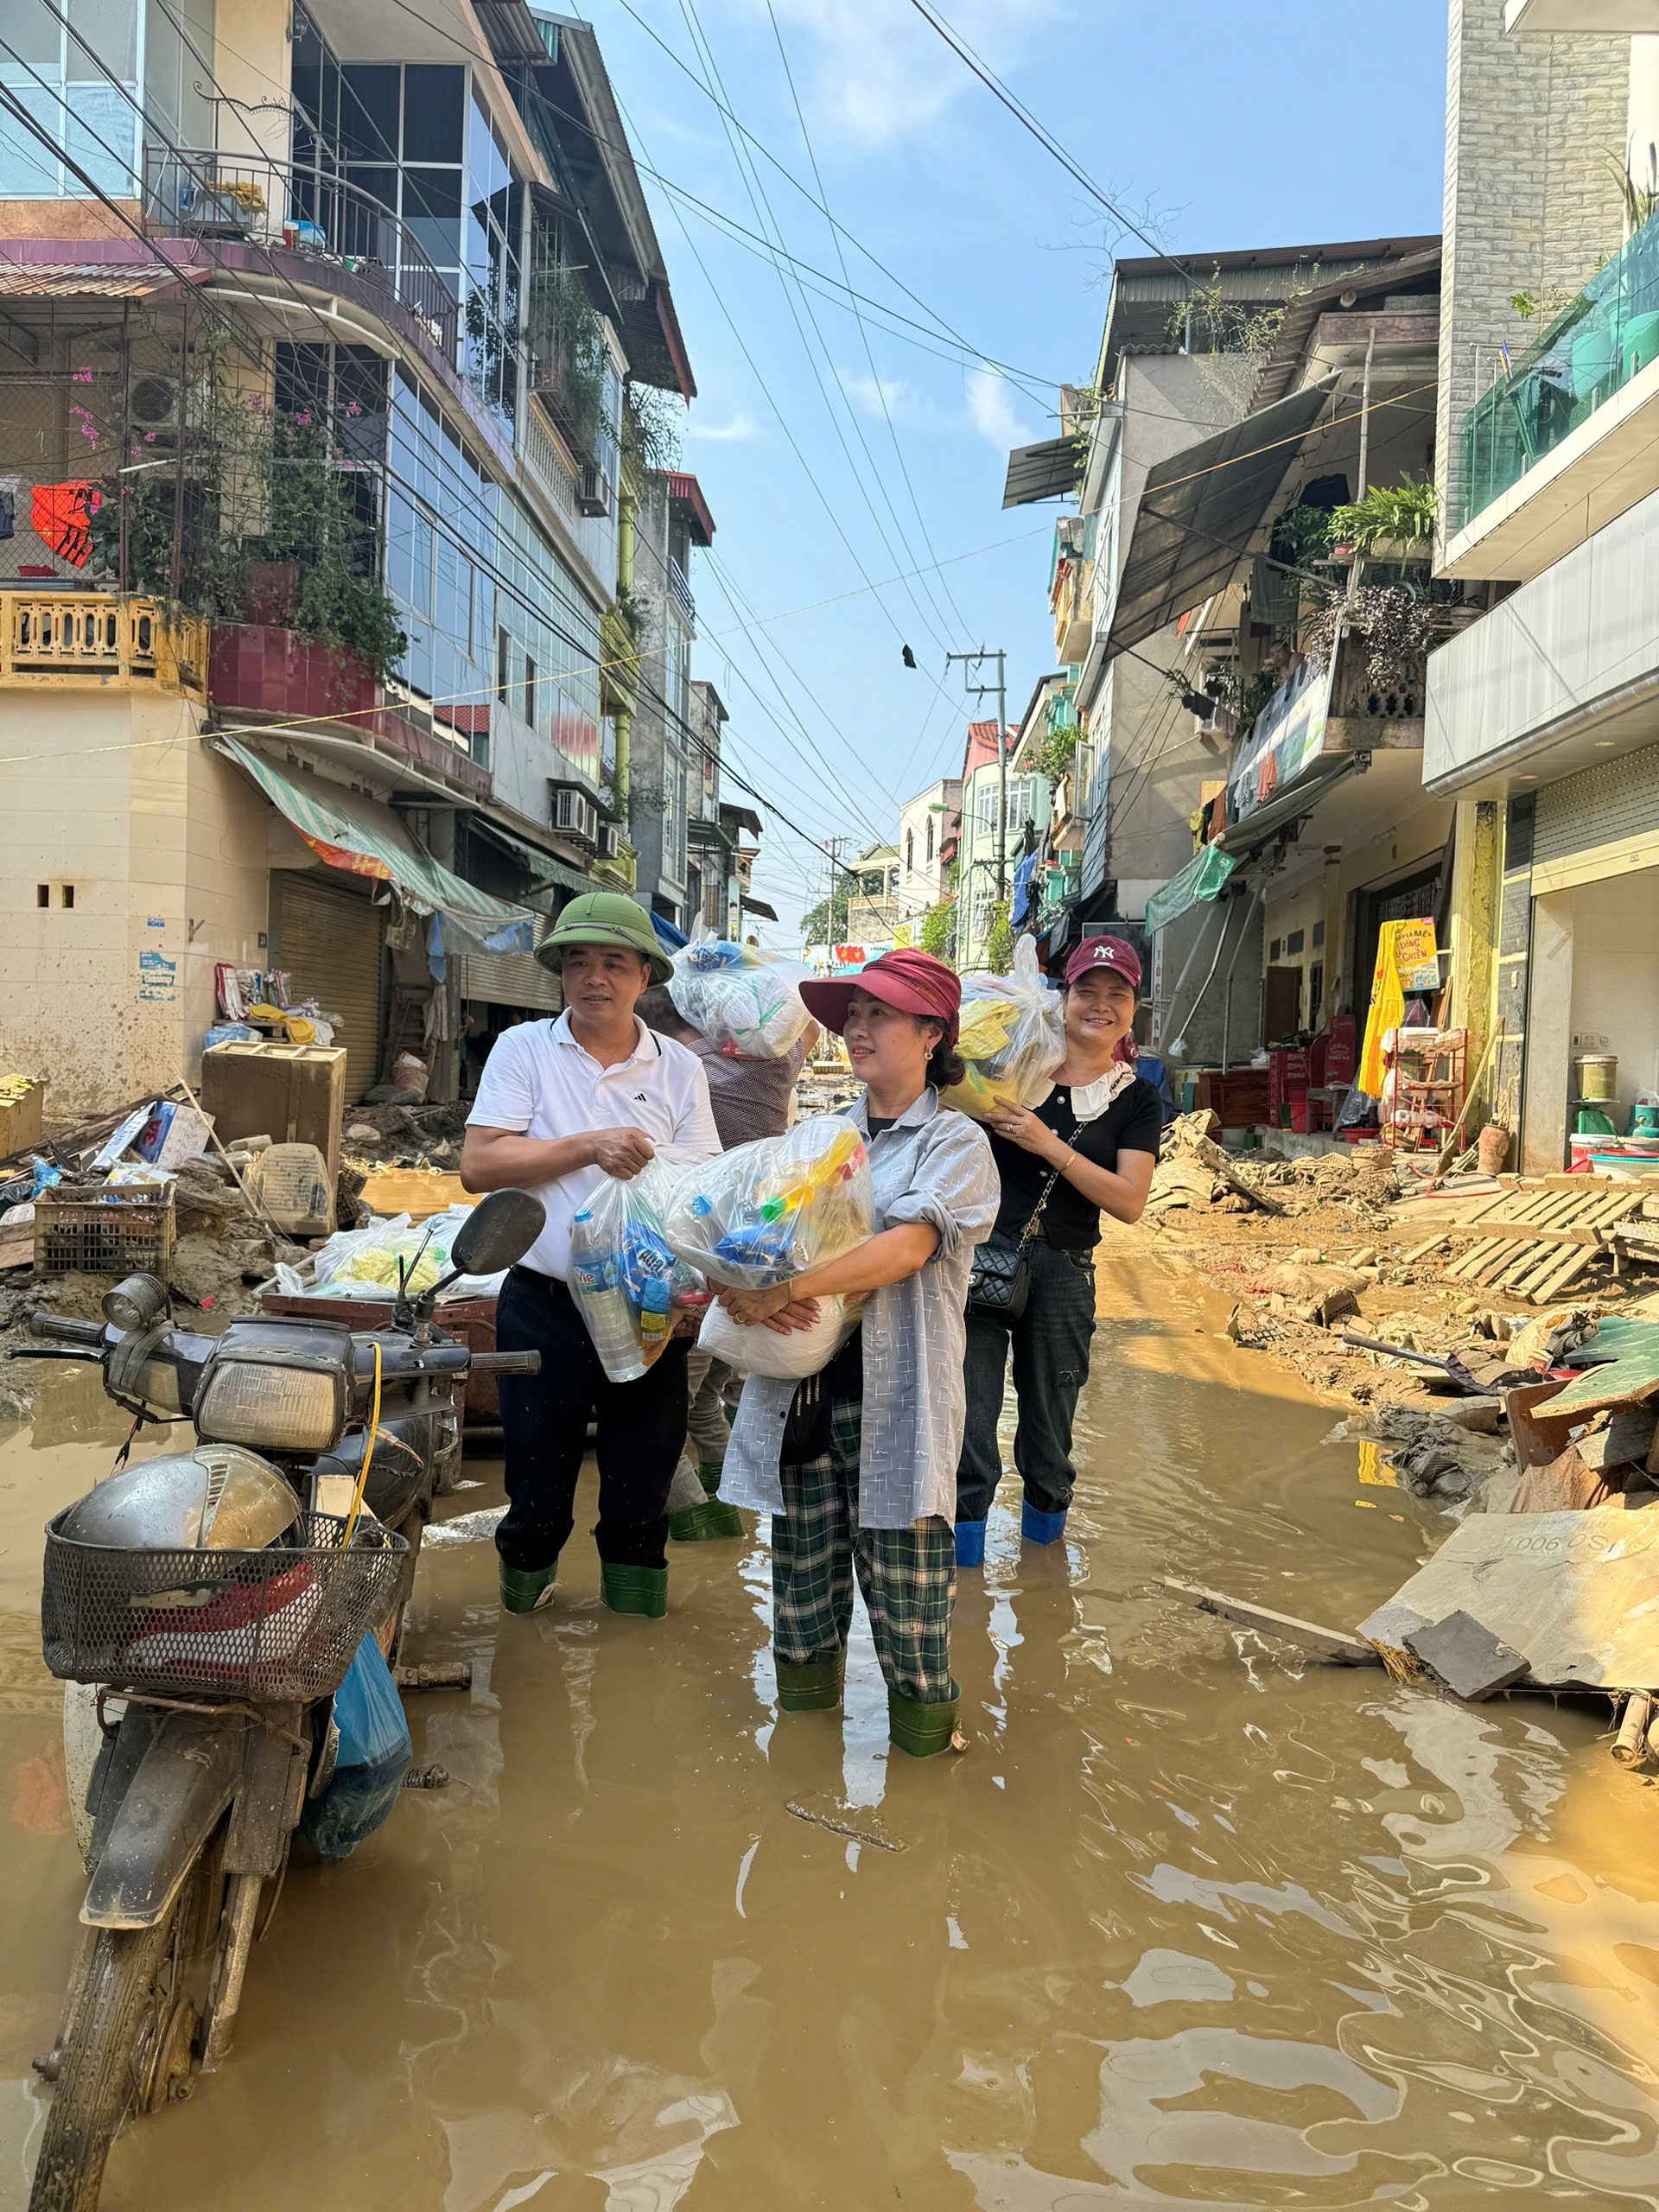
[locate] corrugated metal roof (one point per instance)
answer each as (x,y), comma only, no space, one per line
(1046,471)
(1278,372)
(84,280)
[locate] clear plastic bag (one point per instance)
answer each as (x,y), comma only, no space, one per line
(1012,1038)
(363,1262)
(627,1282)
(745,1001)
(760,1351)
(765,1212)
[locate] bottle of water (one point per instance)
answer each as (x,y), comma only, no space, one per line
(596,1286)
(654,1317)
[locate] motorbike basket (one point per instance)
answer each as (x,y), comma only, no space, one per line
(275,1624)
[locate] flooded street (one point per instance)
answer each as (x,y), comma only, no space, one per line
(1186,1925)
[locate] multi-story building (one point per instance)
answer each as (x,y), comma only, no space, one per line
(1241,399)
(665,762)
(875,910)
(1543,713)
(925,823)
(1045,884)
(320,329)
(1000,813)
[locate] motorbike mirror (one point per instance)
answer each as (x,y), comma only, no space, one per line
(499,1231)
(134,1303)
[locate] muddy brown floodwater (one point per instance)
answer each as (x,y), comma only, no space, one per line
(1188,1925)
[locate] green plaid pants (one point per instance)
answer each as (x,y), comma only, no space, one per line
(908,1575)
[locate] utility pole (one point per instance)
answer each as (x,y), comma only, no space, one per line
(833,847)
(978,690)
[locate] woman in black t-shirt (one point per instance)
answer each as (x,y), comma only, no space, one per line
(1090,1148)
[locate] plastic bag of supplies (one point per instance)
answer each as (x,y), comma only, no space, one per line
(1012,1038)
(629,1287)
(760,1351)
(747,1003)
(765,1212)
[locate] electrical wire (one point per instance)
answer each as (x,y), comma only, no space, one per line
(1043,136)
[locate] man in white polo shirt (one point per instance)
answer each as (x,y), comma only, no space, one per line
(561,1105)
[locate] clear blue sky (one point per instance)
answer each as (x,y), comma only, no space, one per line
(1213,127)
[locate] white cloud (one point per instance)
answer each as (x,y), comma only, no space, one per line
(908,405)
(737,432)
(991,409)
(878,72)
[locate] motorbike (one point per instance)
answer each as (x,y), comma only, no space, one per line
(205,1608)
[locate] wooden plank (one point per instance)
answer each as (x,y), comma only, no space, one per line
(1503,1229)
(1550,1285)
(1459,1228)
(1554,1209)
(1570,1225)
(1332,1643)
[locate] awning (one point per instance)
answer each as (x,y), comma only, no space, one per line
(357,834)
(542,865)
(1200,880)
(1259,827)
(757,907)
(1047,471)
(1200,509)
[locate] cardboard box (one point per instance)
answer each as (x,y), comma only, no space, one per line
(294,1094)
(21,1121)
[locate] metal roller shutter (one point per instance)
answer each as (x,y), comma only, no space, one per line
(329,943)
(516,979)
(1606,805)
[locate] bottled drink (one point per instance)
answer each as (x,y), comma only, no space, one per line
(596,1286)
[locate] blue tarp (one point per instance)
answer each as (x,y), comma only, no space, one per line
(668,937)
(1021,891)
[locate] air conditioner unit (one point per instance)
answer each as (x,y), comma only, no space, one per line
(153,410)
(593,490)
(610,840)
(576,814)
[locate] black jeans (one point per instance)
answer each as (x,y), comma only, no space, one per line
(1051,1365)
(544,1421)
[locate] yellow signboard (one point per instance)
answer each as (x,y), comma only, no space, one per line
(1414,958)
(901,933)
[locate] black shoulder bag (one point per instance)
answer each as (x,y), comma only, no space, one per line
(1001,1281)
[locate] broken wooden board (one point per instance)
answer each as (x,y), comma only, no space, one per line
(1469,1659)
(1578,1593)
(1517,1247)
(1334,1644)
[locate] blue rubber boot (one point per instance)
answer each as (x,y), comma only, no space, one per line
(1040,1527)
(970,1543)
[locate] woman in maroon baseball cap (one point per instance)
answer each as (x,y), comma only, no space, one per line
(1088,1148)
(857,1465)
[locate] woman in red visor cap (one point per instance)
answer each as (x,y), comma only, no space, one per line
(857,1465)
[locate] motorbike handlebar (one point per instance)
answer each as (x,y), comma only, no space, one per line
(65,1331)
(506,1362)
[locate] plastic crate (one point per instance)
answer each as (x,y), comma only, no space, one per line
(291,1182)
(108,1230)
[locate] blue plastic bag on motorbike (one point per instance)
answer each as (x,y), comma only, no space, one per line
(375,1751)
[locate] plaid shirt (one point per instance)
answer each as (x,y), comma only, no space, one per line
(933,1165)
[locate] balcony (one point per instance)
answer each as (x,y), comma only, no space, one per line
(1072,600)
(680,591)
(1570,437)
(193,192)
(61,637)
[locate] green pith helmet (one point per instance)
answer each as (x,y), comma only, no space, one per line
(605,918)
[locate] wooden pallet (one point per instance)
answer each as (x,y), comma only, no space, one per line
(1543,1235)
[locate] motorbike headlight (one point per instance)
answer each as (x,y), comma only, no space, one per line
(269,1408)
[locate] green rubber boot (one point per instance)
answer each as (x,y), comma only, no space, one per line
(634,1589)
(711,1470)
(524,1588)
(811,1685)
(921,1730)
(703,1524)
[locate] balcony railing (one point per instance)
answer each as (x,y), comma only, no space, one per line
(80,637)
(1591,350)
(195,192)
(680,591)
(1073,604)
(540,449)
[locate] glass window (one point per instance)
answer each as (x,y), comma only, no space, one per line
(432,211)
(433,98)
(368,111)
(420,541)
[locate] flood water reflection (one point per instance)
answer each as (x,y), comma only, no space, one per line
(1188,1925)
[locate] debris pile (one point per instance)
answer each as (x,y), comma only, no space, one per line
(399,1135)
(1194,1171)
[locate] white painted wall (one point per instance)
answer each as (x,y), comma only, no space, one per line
(1615,980)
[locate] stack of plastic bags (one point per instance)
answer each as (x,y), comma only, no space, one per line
(1012,1038)
(629,1287)
(363,1262)
(765,1212)
(747,1003)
